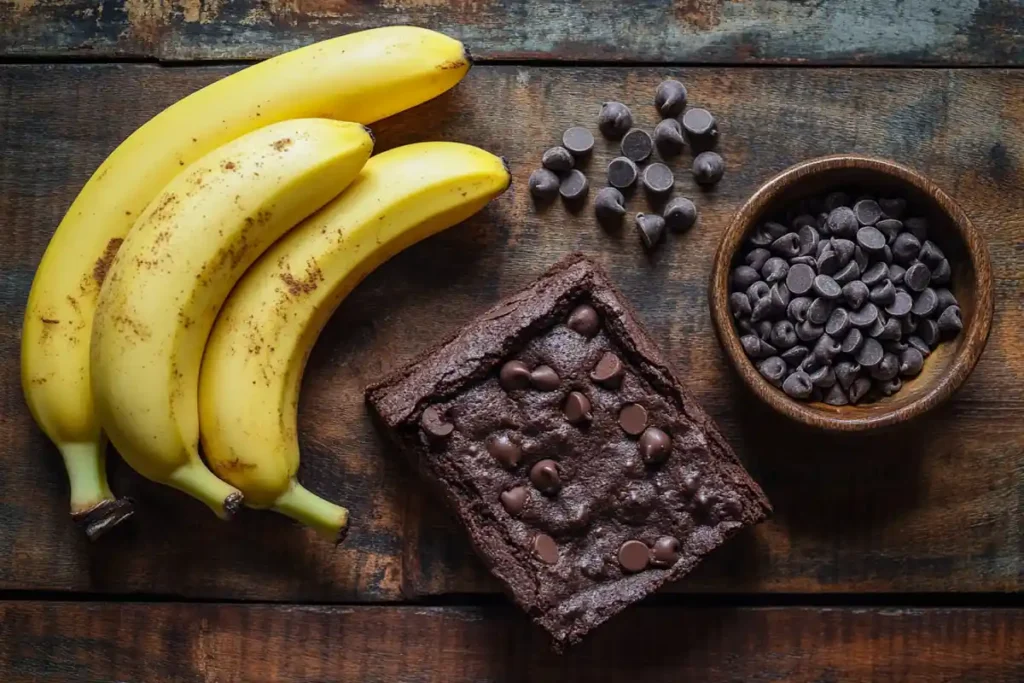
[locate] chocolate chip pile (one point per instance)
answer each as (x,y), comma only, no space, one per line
(697,127)
(844,301)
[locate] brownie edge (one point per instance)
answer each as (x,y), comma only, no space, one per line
(584,473)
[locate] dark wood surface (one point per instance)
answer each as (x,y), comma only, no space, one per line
(933,508)
(185,643)
(949,32)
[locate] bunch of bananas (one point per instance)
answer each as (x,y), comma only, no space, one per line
(179,298)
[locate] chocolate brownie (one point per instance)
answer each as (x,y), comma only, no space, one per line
(584,473)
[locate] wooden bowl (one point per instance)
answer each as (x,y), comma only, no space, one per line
(948,365)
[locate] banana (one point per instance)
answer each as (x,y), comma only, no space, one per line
(252,369)
(176,268)
(360,77)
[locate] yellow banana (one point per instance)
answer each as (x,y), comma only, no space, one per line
(176,268)
(360,77)
(257,351)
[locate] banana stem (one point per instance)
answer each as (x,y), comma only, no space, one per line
(199,482)
(306,507)
(87,472)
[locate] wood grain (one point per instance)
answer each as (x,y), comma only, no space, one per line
(950,32)
(191,643)
(936,507)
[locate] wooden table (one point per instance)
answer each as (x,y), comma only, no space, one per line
(891,558)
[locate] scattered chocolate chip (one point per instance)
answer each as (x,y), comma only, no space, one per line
(668,137)
(634,556)
(545,548)
(658,179)
(670,98)
(666,552)
(544,184)
(543,378)
(514,500)
(614,120)
(655,446)
(558,159)
(637,145)
(577,408)
(434,423)
(514,375)
(622,172)
(772,369)
(708,168)
(584,320)
(609,207)
(700,126)
(633,419)
(504,450)
(574,185)
(680,214)
(650,227)
(578,140)
(949,322)
(609,371)
(545,478)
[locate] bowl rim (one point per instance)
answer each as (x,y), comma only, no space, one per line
(976,333)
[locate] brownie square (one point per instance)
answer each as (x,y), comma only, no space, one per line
(584,473)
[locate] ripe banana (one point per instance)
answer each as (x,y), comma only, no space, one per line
(176,268)
(360,77)
(252,369)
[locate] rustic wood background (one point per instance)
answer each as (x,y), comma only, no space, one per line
(897,557)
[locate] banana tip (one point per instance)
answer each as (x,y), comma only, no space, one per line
(369,132)
(232,504)
(467,55)
(342,535)
(103,517)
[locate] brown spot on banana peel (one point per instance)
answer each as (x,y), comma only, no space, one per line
(102,266)
(282,144)
(314,276)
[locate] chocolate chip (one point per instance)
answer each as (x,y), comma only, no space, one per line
(776,230)
(543,378)
(633,419)
(779,296)
(650,227)
(700,126)
(434,423)
(614,120)
(892,330)
(905,248)
(797,309)
(757,291)
(574,185)
(860,388)
(855,294)
(931,254)
(833,200)
(783,335)
(763,309)
(744,276)
(622,172)
(901,304)
(577,408)
(870,354)
(708,168)
(658,179)
(775,269)
(800,278)
(823,377)
(609,371)
(760,238)
(891,228)
(893,207)
(772,369)
(945,298)
(514,500)
(895,346)
(875,274)
(808,331)
(795,355)
(578,140)
(891,386)
(668,137)
(787,246)
(655,446)
(941,273)
(504,450)
(584,320)
(926,303)
(917,277)
(543,184)
(666,552)
(846,372)
(919,344)
(838,323)
(844,249)
(886,254)
(897,274)
(868,211)
(852,341)
(877,327)
(755,258)
(911,362)
(820,310)
(949,322)
(514,375)
(637,145)
(836,396)
(545,548)
(826,287)
(557,159)
(545,478)
(828,261)
(633,556)
(848,273)
(826,349)
(871,239)
(928,330)
(804,219)
(609,207)
(680,214)
(865,317)
(860,258)
(797,385)
(842,222)
(883,294)
(918,227)
(887,368)
(809,239)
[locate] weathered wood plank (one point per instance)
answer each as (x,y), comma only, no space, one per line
(932,508)
(190,643)
(951,32)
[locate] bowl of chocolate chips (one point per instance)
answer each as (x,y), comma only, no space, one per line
(851,293)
